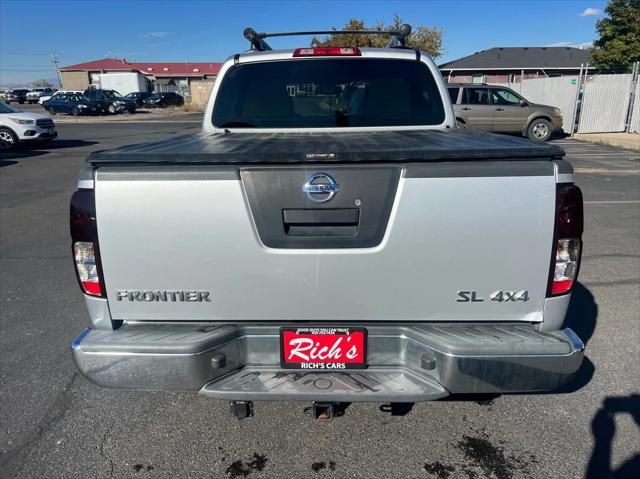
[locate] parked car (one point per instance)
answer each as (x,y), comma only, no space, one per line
(73,104)
(27,128)
(44,98)
(500,109)
(331,237)
(34,95)
(19,95)
(110,100)
(163,100)
(139,97)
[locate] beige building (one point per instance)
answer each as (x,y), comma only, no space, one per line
(200,91)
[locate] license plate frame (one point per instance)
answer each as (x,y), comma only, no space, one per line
(324,335)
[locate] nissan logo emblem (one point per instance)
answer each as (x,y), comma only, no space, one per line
(320,187)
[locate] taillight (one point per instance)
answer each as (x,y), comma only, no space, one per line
(327,52)
(84,243)
(567,240)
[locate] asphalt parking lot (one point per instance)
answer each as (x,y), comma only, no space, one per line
(54,423)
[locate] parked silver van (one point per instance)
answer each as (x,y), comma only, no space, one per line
(500,109)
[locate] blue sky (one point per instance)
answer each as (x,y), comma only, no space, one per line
(212,30)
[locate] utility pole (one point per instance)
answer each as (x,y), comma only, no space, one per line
(55,59)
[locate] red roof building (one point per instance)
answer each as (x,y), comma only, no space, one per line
(162,76)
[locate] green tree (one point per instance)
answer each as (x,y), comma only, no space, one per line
(41,84)
(619,42)
(427,39)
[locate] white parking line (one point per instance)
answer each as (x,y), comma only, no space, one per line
(613,202)
(606,171)
(631,156)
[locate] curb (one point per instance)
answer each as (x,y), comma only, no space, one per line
(632,143)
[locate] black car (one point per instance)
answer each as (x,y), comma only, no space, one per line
(71,103)
(110,100)
(19,96)
(163,100)
(139,97)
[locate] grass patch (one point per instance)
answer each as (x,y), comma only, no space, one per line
(192,108)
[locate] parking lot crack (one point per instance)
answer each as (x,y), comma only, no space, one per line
(12,461)
(103,453)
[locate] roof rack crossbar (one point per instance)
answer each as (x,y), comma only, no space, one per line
(397,40)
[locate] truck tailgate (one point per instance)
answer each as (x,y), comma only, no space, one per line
(211,242)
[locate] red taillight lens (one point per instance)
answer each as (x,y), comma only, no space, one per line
(86,267)
(566,265)
(84,243)
(327,52)
(567,239)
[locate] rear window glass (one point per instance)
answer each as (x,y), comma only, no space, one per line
(328,93)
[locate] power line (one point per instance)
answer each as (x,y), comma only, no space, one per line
(27,53)
(55,59)
(25,70)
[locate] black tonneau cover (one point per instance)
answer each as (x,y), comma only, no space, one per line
(327,147)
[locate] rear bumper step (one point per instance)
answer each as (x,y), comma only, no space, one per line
(406,363)
(373,384)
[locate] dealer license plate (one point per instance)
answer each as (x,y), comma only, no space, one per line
(323,348)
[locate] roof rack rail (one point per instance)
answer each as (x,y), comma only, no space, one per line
(397,36)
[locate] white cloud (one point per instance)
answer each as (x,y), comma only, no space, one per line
(590,12)
(157,34)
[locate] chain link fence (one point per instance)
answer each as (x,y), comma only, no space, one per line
(590,103)
(605,103)
(634,123)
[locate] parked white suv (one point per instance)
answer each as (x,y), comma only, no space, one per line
(34,95)
(20,127)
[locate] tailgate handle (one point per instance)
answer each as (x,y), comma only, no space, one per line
(321,222)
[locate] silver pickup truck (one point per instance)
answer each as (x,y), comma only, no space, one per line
(329,236)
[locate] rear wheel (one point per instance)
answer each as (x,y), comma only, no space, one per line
(8,139)
(52,111)
(75,111)
(539,130)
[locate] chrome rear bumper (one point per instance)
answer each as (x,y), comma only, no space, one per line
(406,363)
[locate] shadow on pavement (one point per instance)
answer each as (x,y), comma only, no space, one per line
(59,144)
(582,313)
(559,135)
(6,158)
(603,428)
(581,317)
(397,408)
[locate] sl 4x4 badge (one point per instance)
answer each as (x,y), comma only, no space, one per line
(499,296)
